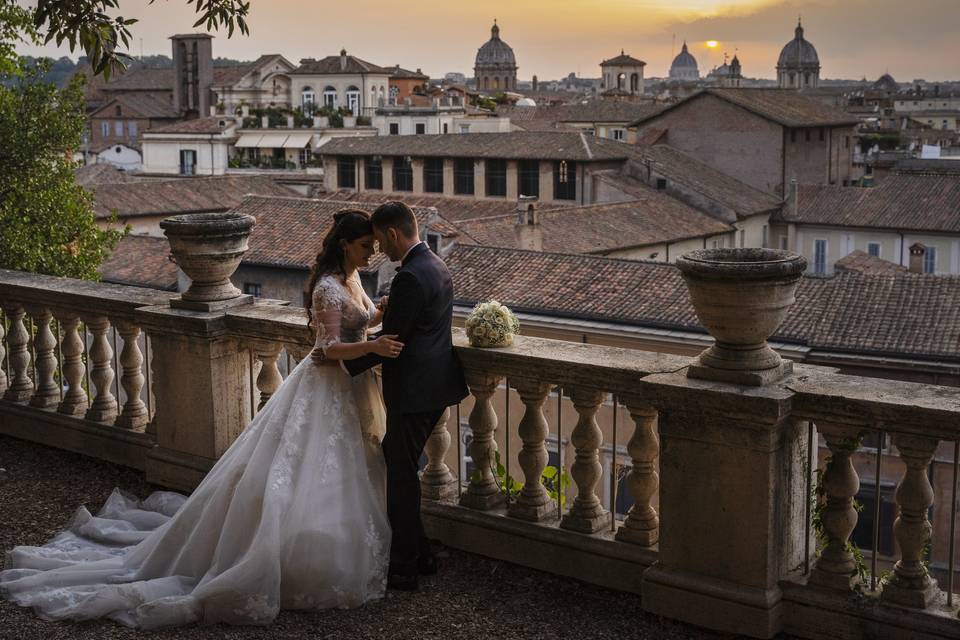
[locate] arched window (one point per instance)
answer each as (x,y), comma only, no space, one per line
(792,77)
(486,83)
(116,110)
(634,83)
(496,82)
(806,79)
(353,100)
(308,98)
(621,80)
(329,96)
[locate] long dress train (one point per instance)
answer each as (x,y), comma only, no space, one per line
(292,516)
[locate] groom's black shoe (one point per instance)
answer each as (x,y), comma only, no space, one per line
(402,582)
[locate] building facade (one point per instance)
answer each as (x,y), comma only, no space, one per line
(343,81)
(622,73)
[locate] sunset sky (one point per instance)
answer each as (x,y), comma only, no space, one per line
(551,38)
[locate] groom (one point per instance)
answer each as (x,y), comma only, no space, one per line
(417,386)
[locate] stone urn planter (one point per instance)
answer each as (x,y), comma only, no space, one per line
(208,248)
(741,297)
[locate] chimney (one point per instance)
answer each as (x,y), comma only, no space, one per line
(343,59)
(265,122)
(528,231)
(793,199)
(917,251)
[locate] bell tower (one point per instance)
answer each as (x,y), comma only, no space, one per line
(192,74)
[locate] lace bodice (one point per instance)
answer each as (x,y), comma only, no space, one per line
(336,314)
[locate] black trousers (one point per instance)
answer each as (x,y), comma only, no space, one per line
(403,444)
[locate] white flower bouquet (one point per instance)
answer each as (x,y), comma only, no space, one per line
(491,324)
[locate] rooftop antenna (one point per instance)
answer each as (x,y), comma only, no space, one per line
(141,49)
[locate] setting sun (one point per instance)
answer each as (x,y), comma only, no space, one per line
(712,44)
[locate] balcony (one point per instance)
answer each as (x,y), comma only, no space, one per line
(734,523)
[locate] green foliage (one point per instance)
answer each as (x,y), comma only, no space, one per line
(46,219)
(552,479)
(87,25)
(16,26)
(819,504)
(886,141)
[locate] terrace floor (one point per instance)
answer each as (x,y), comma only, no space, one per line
(472,597)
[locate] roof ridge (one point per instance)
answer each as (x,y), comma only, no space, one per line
(575,256)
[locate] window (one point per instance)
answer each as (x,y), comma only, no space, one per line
(873,248)
(373,170)
(463,176)
(105,129)
(346,172)
(930,260)
(353,100)
(793,136)
(307,99)
(253,288)
(132,129)
(394,128)
(661,184)
(528,178)
(618,134)
(846,142)
(402,174)
(306,155)
(433,175)
(565,180)
(446,128)
(329,97)
(464,128)
(188,162)
(784,242)
(496,171)
(118,128)
(819,256)
(421,128)
(117,112)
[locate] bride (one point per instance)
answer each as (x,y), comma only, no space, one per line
(292,516)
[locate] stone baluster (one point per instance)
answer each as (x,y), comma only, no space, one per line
(134,414)
(836,566)
(437,482)
(483,492)
(20,384)
(911,584)
(642,526)
(534,502)
(74,401)
(269,378)
(587,514)
(3,354)
(46,393)
(104,405)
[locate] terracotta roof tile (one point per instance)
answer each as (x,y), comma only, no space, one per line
(862,262)
(101,173)
(560,145)
(653,218)
(788,108)
(907,315)
(208,124)
(182,195)
(289,231)
(453,209)
(331,66)
(584,111)
(903,202)
(142,79)
(145,105)
(141,261)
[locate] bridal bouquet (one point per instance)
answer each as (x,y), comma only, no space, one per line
(491,324)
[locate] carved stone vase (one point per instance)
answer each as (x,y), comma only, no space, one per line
(741,296)
(208,248)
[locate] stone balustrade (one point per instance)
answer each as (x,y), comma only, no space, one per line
(720,532)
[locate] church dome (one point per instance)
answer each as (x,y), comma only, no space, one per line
(684,60)
(886,83)
(798,53)
(495,51)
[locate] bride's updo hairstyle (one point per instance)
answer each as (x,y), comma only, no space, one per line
(348,225)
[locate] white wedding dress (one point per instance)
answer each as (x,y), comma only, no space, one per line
(292,516)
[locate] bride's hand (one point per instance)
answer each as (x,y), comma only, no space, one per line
(386,346)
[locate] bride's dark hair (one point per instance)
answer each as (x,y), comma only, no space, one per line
(348,225)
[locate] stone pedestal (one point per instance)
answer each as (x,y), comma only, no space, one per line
(732,504)
(201,381)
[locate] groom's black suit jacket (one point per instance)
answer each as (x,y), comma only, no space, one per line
(427,374)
